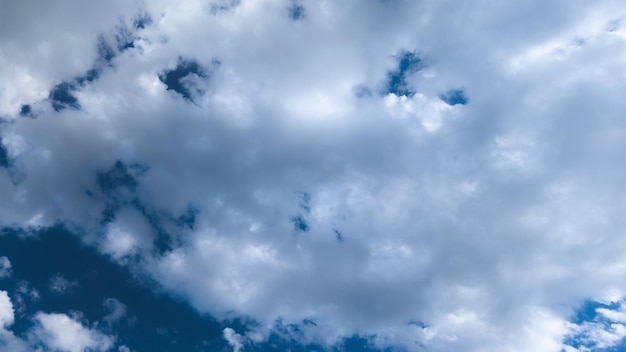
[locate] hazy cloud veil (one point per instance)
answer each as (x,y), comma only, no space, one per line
(430,175)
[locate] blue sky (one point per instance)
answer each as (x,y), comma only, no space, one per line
(299,175)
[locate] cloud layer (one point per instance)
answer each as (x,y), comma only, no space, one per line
(430,175)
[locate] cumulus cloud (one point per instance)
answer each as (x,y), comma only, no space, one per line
(61,332)
(51,331)
(5,267)
(461,168)
(6,310)
(8,341)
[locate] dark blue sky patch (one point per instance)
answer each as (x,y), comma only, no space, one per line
(309,322)
(188,217)
(296,12)
(168,229)
(90,76)
(221,6)
(408,63)
(142,21)
(36,260)
(120,175)
(108,214)
(178,81)
(300,224)
(418,324)
(454,97)
(587,311)
(124,38)
(305,200)
(338,236)
(360,344)
(163,241)
(25,110)
(4,156)
(105,51)
(105,55)
(61,97)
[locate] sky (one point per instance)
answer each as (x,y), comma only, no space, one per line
(312,175)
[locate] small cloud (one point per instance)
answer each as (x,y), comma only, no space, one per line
(5,267)
(64,333)
(116,310)
(24,293)
(25,289)
(234,339)
(59,284)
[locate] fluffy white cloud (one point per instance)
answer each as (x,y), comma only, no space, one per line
(61,332)
(487,223)
(5,267)
(54,332)
(234,339)
(6,310)
(8,341)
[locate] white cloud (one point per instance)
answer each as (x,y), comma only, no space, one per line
(487,222)
(63,333)
(54,332)
(8,341)
(5,267)
(6,310)
(233,339)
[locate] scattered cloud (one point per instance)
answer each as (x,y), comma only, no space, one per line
(61,332)
(115,310)
(59,284)
(5,267)
(356,165)
(234,339)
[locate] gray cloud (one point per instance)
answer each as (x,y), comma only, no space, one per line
(487,221)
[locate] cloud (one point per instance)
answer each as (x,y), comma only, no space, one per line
(63,333)
(8,341)
(52,331)
(486,212)
(59,284)
(5,267)
(116,310)
(6,310)
(234,339)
